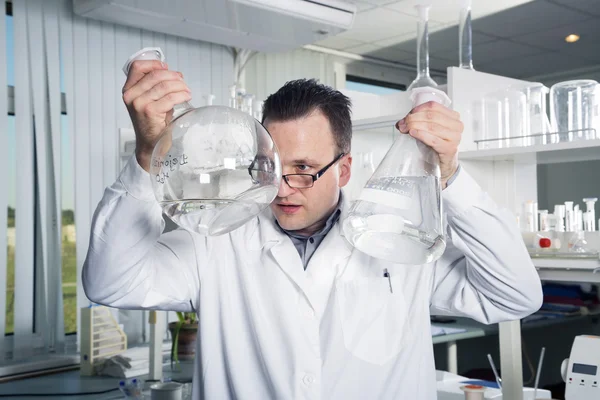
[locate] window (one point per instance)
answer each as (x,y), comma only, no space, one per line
(373,86)
(11,234)
(69,262)
(69,274)
(10,267)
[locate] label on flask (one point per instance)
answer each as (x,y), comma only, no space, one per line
(393,192)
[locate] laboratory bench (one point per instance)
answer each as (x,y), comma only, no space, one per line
(72,385)
(466,328)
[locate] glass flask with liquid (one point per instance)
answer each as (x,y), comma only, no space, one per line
(213,168)
(398,214)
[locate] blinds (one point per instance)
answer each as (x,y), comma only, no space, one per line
(51,43)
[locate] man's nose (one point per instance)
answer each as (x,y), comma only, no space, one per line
(284,189)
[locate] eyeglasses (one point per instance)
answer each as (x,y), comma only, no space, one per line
(296,181)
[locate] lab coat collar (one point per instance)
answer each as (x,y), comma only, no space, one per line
(267,233)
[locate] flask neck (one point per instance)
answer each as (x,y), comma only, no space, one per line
(465,38)
(182,108)
(423,42)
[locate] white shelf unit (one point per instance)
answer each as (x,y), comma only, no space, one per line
(583,150)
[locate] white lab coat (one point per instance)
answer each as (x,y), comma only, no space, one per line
(271,330)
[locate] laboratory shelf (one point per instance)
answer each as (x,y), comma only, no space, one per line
(568,269)
(581,150)
(383,122)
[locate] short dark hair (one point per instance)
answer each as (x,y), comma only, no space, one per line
(298,98)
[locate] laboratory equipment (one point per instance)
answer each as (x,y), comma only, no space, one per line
(581,371)
(473,392)
(569,217)
(530,221)
(166,391)
(505,119)
(495,371)
(574,109)
(397,216)
(213,168)
(559,214)
(590,213)
(538,373)
(449,388)
(423,79)
(536,118)
(543,220)
(465,48)
(578,244)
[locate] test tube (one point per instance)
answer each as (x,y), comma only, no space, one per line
(543,222)
(590,203)
(530,215)
(559,214)
(535,218)
(569,217)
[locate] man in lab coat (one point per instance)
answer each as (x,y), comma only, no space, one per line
(287,308)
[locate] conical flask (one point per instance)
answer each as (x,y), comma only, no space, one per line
(423,79)
(465,48)
(213,168)
(398,214)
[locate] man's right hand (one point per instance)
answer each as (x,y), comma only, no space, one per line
(150,92)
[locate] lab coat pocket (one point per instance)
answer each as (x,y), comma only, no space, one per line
(374,319)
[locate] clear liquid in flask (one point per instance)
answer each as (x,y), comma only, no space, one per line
(398,220)
(218,216)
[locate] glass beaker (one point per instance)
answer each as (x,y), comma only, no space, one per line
(574,109)
(505,121)
(397,216)
(423,79)
(537,117)
(465,48)
(213,168)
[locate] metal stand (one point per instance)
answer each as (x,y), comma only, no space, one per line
(511,364)
(158,325)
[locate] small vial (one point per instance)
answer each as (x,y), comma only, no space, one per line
(543,222)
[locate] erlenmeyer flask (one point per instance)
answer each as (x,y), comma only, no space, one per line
(213,168)
(423,79)
(397,216)
(465,48)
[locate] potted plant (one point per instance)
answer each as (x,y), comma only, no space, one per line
(183,332)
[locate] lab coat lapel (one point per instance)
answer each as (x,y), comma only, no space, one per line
(270,238)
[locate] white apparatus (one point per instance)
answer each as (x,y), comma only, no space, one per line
(559,214)
(213,168)
(423,79)
(581,371)
(397,216)
(590,214)
(465,48)
(543,222)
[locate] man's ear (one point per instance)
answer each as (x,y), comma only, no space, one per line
(345,170)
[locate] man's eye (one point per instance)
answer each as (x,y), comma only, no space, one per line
(303,167)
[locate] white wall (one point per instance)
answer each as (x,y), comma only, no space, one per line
(267,72)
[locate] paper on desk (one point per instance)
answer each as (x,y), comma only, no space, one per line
(437,330)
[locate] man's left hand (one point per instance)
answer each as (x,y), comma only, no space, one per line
(438,127)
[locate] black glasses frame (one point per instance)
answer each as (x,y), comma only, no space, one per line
(313,176)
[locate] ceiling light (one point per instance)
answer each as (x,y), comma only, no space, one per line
(572,38)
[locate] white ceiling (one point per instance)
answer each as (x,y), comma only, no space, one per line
(383,23)
(516,38)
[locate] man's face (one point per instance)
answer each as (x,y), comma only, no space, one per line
(305,146)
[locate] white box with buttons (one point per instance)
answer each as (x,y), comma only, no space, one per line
(581,371)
